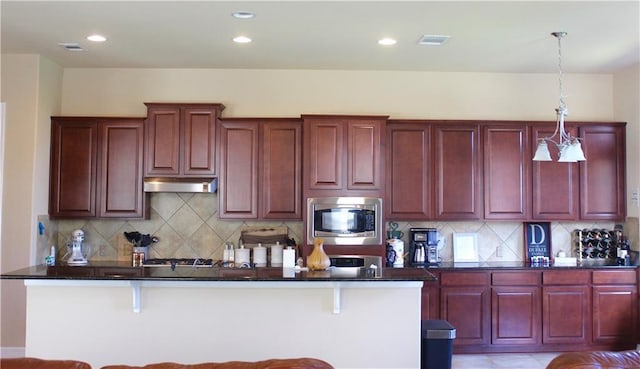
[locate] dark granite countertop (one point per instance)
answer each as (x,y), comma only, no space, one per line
(124,271)
(107,270)
(527,266)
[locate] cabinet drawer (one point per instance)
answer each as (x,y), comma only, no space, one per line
(566,277)
(614,277)
(515,279)
(464,279)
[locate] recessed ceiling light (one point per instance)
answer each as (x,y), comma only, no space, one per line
(387,41)
(97,38)
(242,39)
(243,15)
(433,40)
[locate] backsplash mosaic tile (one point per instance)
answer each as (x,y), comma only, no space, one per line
(188,226)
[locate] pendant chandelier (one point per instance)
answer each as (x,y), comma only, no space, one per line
(569,148)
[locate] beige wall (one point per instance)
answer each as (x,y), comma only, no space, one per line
(32,88)
(626,92)
(293,92)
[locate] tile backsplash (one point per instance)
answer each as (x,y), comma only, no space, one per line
(188,226)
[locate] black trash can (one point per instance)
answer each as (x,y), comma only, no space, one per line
(436,348)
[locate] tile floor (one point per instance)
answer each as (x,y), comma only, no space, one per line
(502,361)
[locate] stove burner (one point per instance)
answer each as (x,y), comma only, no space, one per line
(173,262)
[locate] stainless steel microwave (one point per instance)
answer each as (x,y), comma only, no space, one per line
(345,220)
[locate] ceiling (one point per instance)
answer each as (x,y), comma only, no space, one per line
(500,36)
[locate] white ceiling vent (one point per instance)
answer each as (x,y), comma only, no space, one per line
(71,46)
(436,40)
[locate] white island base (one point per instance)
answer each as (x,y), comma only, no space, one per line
(348,324)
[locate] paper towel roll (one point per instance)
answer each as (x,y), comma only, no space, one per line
(276,255)
(242,256)
(289,257)
(260,256)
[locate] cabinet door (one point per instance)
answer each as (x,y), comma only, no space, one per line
(409,169)
(281,170)
(465,304)
(199,127)
(163,141)
(602,175)
(555,185)
(467,309)
(238,170)
(615,312)
(566,314)
(120,192)
(515,315)
(325,142)
(364,166)
(457,172)
(430,299)
(73,168)
(506,172)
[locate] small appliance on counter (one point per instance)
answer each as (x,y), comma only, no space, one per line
(77,253)
(423,247)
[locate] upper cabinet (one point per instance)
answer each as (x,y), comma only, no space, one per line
(458,170)
(343,154)
(260,168)
(409,171)
(444,170)
(181,139)
(555,186)
(507,161)
(602,175)
(96,168)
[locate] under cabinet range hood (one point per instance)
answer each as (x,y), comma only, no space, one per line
(205,185)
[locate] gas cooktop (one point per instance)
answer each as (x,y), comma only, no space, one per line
(173,262)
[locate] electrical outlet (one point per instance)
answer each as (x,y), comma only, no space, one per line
(499,251)
(102,250)
(635,197)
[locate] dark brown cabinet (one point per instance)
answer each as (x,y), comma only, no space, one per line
(458,170)
(615,307)
(260,165)
(555,186)
(343,154)
(566,307)
(507,193)
(281,180)
(430,302)
(602,175)
(444,170)
(238,189)
(515,308)
(409,171)
(96,168)
(181,139)
(465,303)
(531,310)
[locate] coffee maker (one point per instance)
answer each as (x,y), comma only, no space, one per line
(423,246)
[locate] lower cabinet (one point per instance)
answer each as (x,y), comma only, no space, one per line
(537,310)
(515,308)
(465,304)
(566,298)
(615,307)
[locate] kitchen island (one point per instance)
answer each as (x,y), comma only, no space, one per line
(110,313)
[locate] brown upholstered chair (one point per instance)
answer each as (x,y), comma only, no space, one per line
(299,363)
(34,363)
(596,360)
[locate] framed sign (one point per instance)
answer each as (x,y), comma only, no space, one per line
(537,240)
